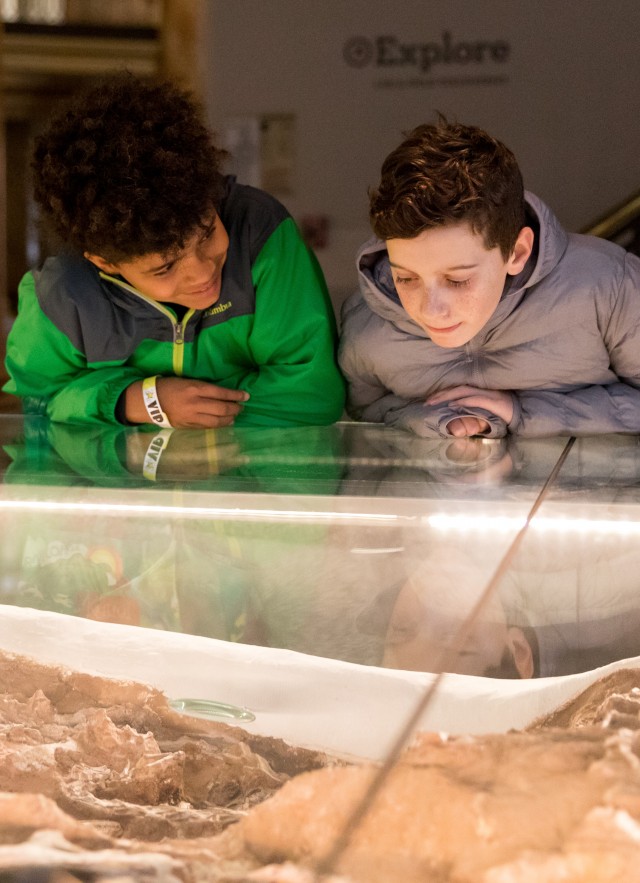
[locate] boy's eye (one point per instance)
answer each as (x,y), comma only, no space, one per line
(406,280)
(208,233)
(457,283)
(163,270)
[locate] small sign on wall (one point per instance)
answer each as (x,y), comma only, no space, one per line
(262,151)
(278,152)
(435,60)
(241,137)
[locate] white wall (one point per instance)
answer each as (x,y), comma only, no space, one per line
(566,99)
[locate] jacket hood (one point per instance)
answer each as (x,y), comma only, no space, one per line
(551,241)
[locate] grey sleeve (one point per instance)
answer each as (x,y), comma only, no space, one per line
(367,397)
(432,421)
(591,410)
(427,421)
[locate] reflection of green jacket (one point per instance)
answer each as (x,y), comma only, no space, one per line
(238,579)
(293,460)
(82,337)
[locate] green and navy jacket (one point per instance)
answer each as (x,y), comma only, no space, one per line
(82,337)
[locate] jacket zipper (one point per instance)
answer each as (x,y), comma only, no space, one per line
(178,341)
(178,327)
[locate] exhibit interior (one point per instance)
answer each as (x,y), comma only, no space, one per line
(311,586)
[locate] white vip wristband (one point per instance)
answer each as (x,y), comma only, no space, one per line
(152,403)
(154,451)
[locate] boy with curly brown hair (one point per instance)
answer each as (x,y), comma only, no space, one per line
(478,314)
(181,298)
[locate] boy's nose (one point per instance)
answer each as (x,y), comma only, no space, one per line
(435,304)
(200,267)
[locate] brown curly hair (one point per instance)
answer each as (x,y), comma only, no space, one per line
(127,169)
(446,173)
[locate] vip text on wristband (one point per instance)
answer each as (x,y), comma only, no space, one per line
(154,451)
(152,403)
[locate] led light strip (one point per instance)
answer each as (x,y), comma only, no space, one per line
(507,523)
(235,514)
(439,521)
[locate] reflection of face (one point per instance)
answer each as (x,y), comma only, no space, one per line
(449,282)
(191,277)
(418,637)
(430,611)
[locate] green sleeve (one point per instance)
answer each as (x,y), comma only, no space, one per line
(293,340)
(51,376)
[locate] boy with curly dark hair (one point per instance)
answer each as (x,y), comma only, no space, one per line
(182,298)
(477,313)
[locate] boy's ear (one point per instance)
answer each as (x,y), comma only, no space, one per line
(101,263)
(521,652)
(521,251)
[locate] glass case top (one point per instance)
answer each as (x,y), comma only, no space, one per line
(338,460)
(499,558)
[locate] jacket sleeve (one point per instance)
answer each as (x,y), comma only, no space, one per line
(430,421)
(426,421)
(368,399)
(594,409)
(293,341)
(51,376)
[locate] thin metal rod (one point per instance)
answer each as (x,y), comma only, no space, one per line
(327,863)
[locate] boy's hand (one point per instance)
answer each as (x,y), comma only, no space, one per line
(496,401)
(188,403)
(464,427)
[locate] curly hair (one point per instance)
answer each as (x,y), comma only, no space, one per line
(127,169)
(448,173)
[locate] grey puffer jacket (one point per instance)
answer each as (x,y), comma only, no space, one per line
(564,340)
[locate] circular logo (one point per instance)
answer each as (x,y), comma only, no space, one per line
(358,52)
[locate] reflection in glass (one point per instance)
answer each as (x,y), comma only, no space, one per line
(353,542)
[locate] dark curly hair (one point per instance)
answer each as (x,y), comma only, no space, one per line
(445,173)
(127,169)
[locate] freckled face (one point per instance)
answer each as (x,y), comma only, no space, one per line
(449,282)
(191,277)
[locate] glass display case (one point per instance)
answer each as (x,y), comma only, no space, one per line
(313,582)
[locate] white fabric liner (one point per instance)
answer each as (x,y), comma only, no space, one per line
(339,707)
